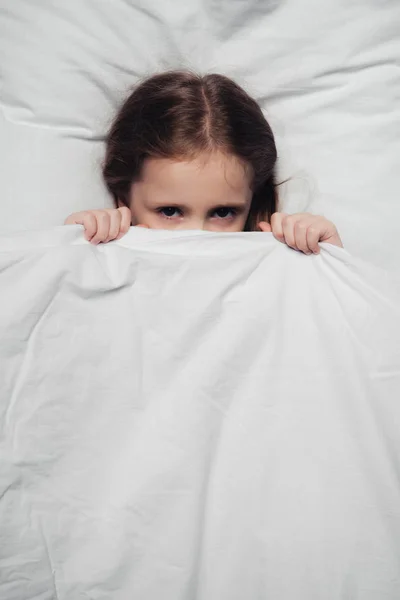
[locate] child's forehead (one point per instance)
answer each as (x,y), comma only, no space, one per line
(211,168)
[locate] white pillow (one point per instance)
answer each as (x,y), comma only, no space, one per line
(326,73)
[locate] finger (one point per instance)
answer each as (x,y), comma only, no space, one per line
(126,219)
(72,219)
(115,224)
(301,228)
(336,240)
(141,225)
(103,227)
(265,226)
(90,224)
(87,219)
(313,237)
(276,225)
(288,224)
(329,233)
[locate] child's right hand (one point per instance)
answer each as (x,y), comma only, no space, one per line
(103,225)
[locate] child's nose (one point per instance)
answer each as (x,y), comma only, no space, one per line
(195,223)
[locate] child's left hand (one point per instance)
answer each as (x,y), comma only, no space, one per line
(302,231)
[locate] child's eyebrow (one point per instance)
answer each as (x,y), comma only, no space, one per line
(233,204)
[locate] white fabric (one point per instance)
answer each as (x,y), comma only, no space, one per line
(188,415)
(325,72)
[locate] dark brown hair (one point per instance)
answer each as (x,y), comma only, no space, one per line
(179,114)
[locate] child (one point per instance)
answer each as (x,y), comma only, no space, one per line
(192,152)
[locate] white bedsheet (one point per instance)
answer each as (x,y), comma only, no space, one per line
(196,416)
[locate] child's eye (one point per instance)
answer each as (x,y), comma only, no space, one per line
(224,210)
(167,210)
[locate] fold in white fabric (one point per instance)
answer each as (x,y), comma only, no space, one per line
(197,416)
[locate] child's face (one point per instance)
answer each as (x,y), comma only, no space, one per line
(211,192)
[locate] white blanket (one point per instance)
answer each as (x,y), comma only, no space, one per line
(197,416)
